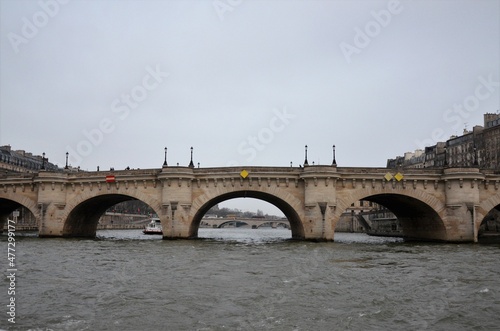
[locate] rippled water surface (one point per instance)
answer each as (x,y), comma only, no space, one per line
(252,280)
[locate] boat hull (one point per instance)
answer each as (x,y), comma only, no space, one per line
(152,232)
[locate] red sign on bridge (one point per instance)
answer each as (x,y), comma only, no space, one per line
(110,179)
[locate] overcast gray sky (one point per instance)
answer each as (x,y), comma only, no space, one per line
(244,82)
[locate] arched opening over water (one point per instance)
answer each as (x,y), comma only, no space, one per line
(401,216)
(489,230)
(24,215)
(290,214)
(84,218)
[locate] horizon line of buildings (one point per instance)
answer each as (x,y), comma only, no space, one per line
(479,147)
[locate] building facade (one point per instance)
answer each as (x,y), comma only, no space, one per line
(479,147)
(491,136)
(21,161)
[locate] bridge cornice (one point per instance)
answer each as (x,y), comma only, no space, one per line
(319,172)
(463,173)
(176,172)
(45,176)
(256,172)
(17,181)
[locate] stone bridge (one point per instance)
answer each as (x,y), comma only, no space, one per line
(254,223)
(439,204)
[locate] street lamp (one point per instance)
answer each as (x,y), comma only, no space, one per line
(191,164)
(476,162)
(305,161)
(43,161)
(66,167)
(334,163)
(165,162)
(445,157)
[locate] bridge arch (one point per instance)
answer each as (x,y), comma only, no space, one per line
(285,202)
(84,213)
(489,204)
(489,208)
(10,202)
(422,216)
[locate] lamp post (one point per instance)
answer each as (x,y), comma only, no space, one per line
(476,162)
(445,157)
(165,162)
(66,167)
(305,161)
(334,163)
(43,161)
(191,164)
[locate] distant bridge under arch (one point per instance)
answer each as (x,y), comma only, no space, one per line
(253,223)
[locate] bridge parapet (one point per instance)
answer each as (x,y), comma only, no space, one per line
(319,171)
(375,170)
(101,175)
(251,169)
(491,173)
(492,178)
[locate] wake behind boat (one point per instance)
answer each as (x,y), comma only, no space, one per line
(154,227)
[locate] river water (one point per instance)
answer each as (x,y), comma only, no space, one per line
(251,280)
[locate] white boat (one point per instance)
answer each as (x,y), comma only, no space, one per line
(154,227)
